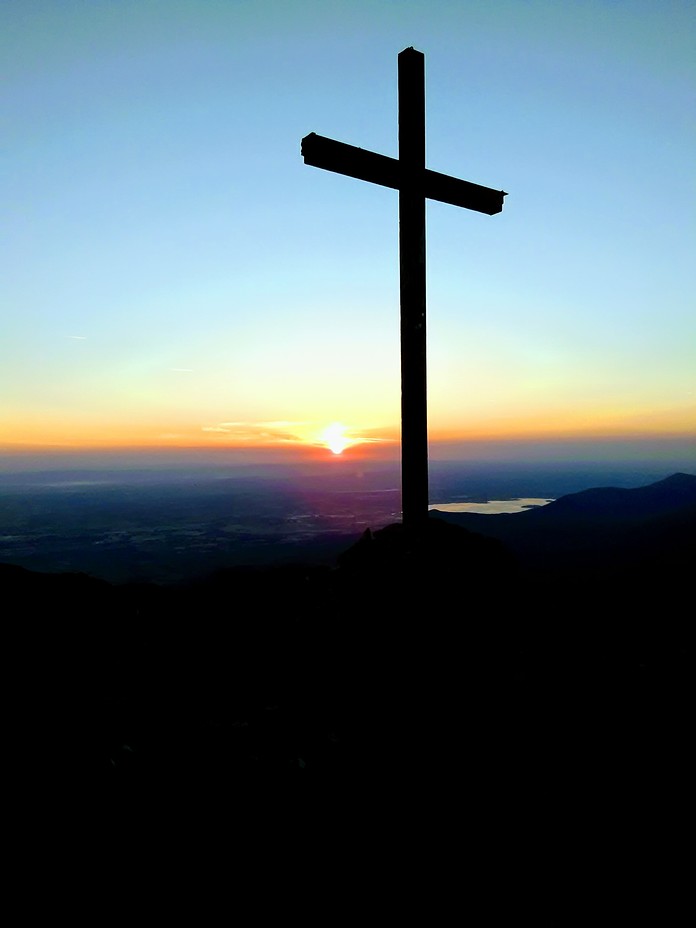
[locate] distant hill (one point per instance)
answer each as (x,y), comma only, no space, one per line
(672,495)
(606,529)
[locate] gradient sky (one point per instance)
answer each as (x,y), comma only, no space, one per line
(174,275)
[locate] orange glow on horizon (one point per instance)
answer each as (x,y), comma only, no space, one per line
(307,439)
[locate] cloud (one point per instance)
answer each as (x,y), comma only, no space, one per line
(276,432)
(293,431)
(371,436)
(282,424)
(374,441)
(79,338)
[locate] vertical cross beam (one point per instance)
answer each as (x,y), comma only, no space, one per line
(414,410)
(415,183)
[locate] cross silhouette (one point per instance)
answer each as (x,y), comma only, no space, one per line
(415,183)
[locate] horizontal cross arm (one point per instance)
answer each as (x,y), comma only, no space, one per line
(334,156)
(448,189)
(330,155)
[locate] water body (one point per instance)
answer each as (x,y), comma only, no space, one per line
(493,506)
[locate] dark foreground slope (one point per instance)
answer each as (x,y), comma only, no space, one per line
(419,717)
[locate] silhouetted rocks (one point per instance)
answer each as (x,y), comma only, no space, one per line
(441,550)
(403,579)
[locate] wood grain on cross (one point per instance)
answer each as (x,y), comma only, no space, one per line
(415,184)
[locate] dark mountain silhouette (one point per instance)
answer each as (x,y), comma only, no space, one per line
(417,690)
(605,529)
(658,499)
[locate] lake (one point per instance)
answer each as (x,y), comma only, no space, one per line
(492,506)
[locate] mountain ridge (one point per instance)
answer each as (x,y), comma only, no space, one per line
(603,528)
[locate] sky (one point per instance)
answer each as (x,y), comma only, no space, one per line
(174,276)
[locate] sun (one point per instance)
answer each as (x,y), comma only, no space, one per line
(334,437)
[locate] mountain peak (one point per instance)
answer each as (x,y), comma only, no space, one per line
(679,479)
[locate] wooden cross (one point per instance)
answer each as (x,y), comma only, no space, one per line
(415,183)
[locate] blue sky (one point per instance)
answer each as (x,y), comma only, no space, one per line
(175,275)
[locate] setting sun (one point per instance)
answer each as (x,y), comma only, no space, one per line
(334,437)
